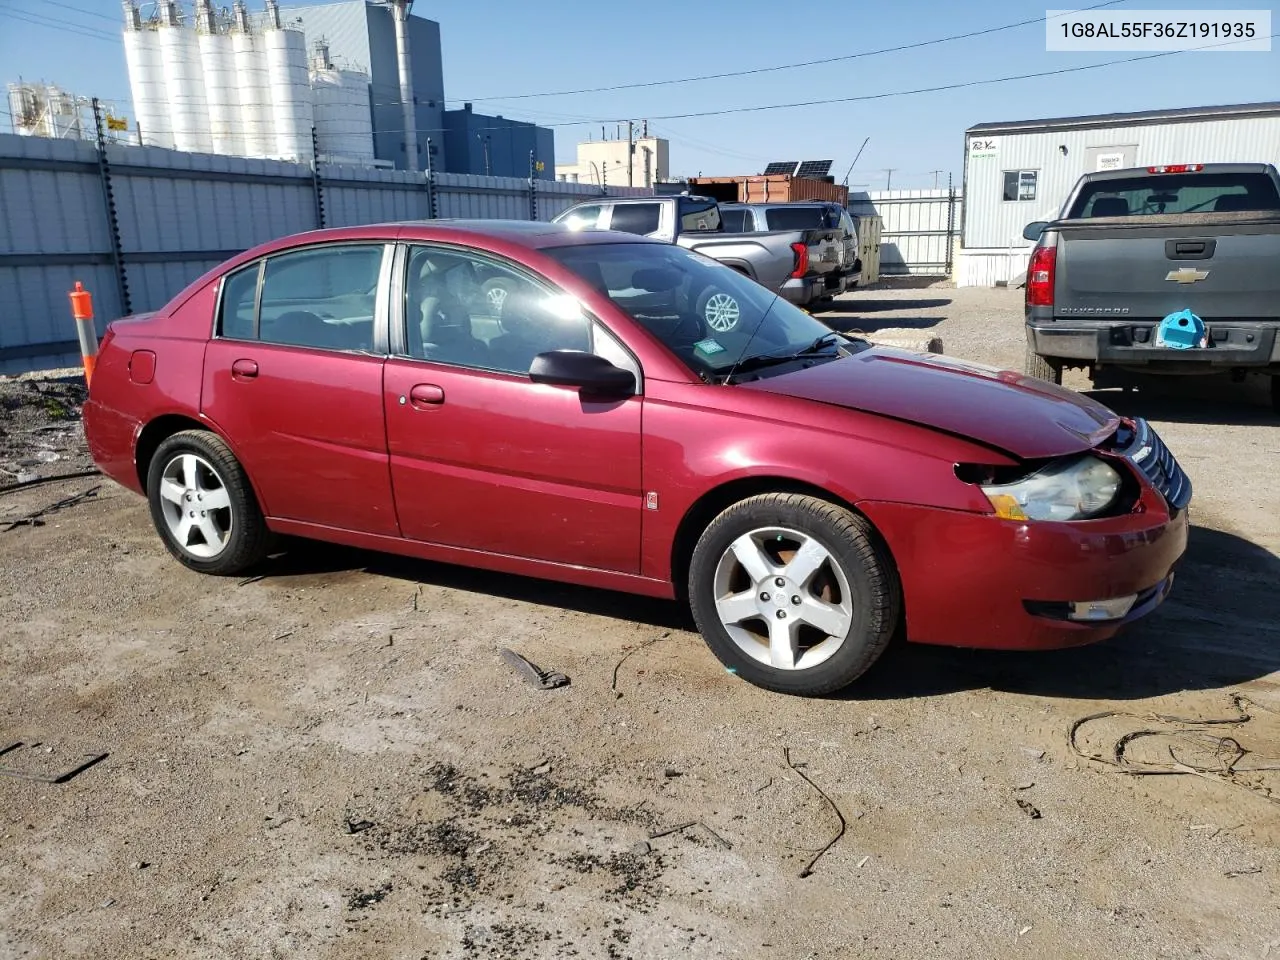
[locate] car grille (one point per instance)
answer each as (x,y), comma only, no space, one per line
(1142,447)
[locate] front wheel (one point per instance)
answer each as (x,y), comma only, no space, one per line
(793,593)
(203,506)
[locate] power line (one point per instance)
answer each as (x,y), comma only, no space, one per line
(790,66)
(944,87)
(91,33)
(88,13)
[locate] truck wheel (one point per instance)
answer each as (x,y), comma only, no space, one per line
(719,309)
(793,593)
(1042,368)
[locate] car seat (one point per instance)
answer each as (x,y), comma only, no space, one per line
(442,329)
(1233,202)
(1110,207)
(299,328)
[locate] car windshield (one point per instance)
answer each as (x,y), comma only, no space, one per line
(710,316)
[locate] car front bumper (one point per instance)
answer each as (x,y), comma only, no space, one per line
(974,580)
(1132,344)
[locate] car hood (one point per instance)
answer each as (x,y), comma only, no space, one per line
(1016,414)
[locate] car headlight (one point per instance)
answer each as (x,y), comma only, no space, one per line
(1064,490)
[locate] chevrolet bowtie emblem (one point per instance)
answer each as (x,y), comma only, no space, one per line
(1187,275)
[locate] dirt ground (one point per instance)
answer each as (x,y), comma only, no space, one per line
(333,761)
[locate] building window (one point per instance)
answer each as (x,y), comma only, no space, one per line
(1020,184)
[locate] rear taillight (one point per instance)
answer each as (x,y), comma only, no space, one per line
(801,266)
(1040,276)
(1177,168)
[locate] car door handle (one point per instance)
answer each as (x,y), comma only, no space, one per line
(426,394)
(244,370)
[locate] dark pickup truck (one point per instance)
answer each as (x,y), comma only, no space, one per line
(1133,247)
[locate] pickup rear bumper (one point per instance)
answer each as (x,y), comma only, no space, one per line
(1132,344)
(803,291)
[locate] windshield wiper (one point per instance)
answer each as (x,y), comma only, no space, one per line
(773,359)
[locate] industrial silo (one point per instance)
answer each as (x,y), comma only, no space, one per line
(257,126)
(146,79)
(180,58)
(343,121)
(217,63)
(290,87)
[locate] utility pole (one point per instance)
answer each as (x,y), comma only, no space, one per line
(631,152)
(888,180)
(488,172)
(935,177)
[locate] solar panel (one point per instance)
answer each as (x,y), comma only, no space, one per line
(814,169)
(782,166)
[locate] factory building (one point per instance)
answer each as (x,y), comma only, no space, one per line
(624,161)
(1019,172)
(364,73)
(496,146)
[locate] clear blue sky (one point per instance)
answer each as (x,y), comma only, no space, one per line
(502,47)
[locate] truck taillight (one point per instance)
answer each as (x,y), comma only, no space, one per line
(1177,168)
(1040,276)
(801,266)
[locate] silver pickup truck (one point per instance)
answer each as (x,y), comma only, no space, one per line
(793,263)
(1169,269)
(797,214)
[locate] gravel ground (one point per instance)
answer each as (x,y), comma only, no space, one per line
(333,761)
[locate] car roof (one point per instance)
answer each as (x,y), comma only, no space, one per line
(531,234)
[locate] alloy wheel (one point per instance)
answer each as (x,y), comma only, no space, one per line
(783,598)
(196,506)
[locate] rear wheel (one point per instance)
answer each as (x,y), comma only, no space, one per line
(793,594)
(1042,368)
(719,309)
(203,506)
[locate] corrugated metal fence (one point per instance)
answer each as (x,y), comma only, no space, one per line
(919,232)
(178,214)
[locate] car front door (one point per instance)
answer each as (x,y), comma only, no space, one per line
(293,379)
(482,457)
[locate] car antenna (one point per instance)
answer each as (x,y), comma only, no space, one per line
(751,339)
(855,161)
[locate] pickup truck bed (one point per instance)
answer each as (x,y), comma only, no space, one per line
(769,258)
(1099,286)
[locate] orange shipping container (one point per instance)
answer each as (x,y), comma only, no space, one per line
(777,188)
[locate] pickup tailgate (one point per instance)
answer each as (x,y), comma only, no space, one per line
(1220,266)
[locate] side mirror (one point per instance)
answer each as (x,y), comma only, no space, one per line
(1033,230)
(586,371)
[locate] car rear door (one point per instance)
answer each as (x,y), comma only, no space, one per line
(484,459)
(293,380)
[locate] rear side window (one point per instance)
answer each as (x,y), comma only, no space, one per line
(1162,194)
(239,300)
(641,218)
(699,216)
(583,218)
(735,221)
(796,218)
(323,297)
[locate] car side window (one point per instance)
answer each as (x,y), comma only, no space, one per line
(734,221)
(467,310)
(639,218)
(322,297)
(239,300)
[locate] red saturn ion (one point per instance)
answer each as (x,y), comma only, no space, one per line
(606,410)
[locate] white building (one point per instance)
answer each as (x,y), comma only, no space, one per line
(1016,173)
(606,162)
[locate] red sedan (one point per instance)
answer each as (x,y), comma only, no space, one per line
(526,398)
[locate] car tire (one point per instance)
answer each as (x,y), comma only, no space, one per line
(1041,368)
(195,469)
(1275,392)
(719,310)
(832,593)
